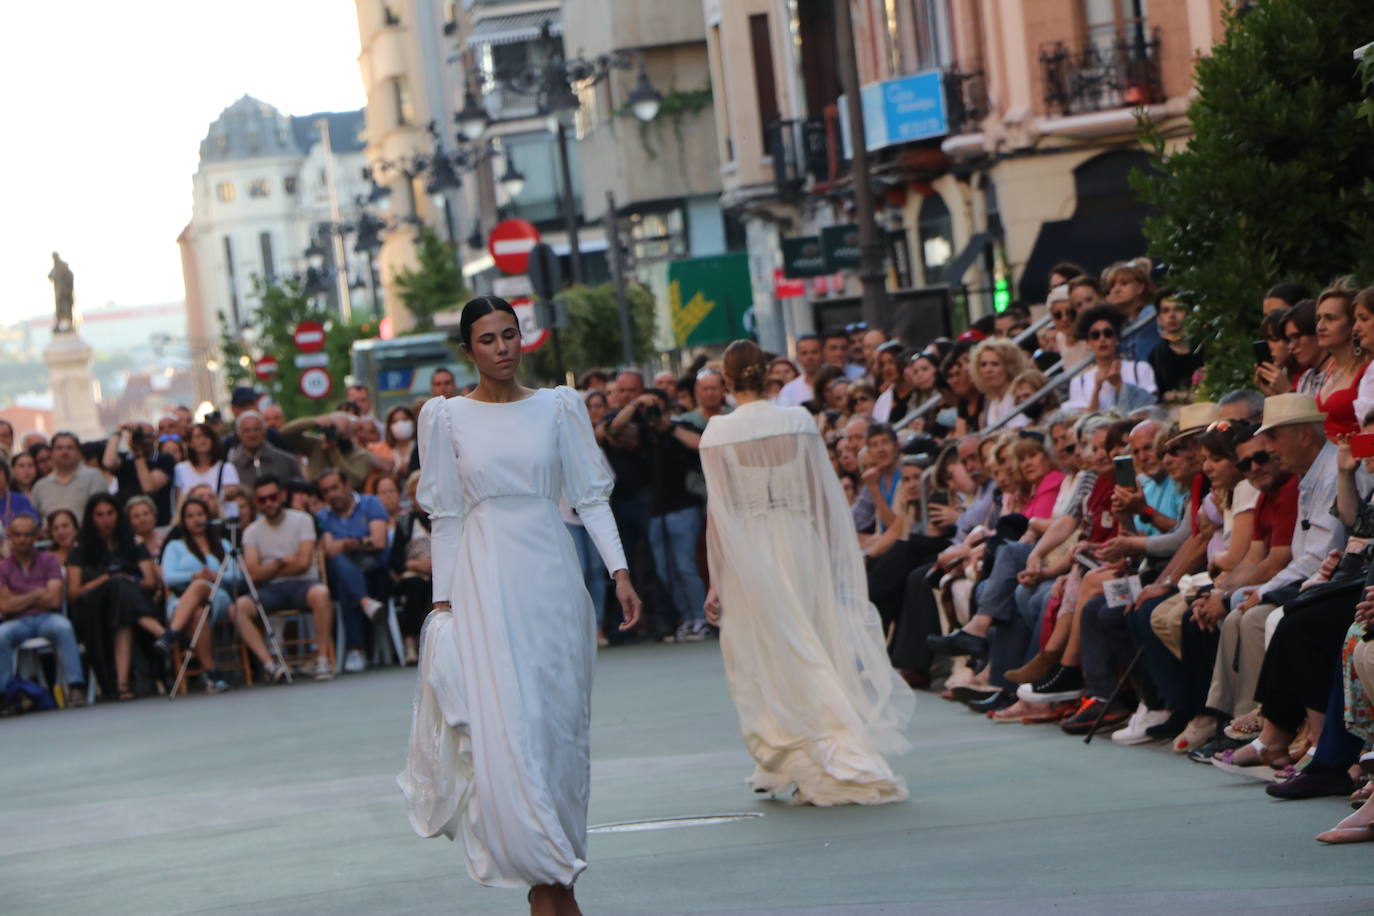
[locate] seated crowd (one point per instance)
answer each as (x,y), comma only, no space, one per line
(1125,558)
(122,553)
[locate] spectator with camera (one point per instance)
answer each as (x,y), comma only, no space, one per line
(646,444)
(69,484)
(254,456)
(31,606)
(328,442)
(354,528)
(279,556)
(131,454)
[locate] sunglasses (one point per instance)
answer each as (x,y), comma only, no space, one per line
(1101,334)
(1061,314)
(1259,459)
(267,499)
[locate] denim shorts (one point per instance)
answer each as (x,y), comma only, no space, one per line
(286,594)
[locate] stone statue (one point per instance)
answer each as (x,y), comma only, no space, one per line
(61,277)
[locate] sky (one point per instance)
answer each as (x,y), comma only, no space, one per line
(105,107)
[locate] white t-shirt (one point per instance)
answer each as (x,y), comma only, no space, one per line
(795,393)
(1132,373)
(186,477)
(277,542)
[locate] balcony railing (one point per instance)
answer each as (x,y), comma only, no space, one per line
(1111,71)
(800,153)
(966,98)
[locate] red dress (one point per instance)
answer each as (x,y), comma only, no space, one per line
(1339,408)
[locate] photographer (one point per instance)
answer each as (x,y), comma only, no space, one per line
(327,442)
(140,468)
(646,443)
(354,529)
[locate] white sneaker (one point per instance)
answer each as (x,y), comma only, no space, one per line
(692,633)
(323,670)
(355,661)
(1141,720)
(371,607)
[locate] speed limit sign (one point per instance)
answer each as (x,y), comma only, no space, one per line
(316,383)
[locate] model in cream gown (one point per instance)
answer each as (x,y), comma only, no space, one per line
(498,748)
(818,701)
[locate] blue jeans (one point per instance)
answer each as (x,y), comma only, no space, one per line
(673,540)
(50,626)
(593,571)
(349,585)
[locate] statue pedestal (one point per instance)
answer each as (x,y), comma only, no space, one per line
(68,358)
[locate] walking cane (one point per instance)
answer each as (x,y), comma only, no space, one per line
(1125,676)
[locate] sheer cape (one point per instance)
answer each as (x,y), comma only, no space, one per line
(818,699)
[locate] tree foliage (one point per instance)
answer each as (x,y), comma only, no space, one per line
(437,285)
(1277,181)
(592,337)
(283,306)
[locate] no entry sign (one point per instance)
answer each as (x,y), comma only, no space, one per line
(265,368)
(510,245)
(309,337)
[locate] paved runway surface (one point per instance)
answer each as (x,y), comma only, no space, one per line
(282,800)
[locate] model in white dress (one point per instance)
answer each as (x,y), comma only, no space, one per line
(498,750)
(818,701)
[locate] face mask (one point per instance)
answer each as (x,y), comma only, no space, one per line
(947,417)
(403,429)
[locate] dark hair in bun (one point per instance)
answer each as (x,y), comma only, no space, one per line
(479,308)
(746,366)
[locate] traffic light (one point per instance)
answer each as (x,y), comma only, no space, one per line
(1001,295)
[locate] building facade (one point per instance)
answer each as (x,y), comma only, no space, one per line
(261,198)
(1001,134)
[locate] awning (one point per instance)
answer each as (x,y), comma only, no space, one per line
(954,272)
(505,30)
(1092,241)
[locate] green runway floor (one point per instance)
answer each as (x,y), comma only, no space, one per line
(283,800)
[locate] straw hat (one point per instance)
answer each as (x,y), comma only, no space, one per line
(1290,410)
(1193,419)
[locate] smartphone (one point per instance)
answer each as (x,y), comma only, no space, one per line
(1261,351)
(1125,471)
(1362,445)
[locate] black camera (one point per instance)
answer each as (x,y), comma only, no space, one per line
(331,432)
(652,415)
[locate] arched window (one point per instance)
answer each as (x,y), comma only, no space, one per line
(935,229)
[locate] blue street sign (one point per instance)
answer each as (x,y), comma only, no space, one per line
(395,381)
(900,111)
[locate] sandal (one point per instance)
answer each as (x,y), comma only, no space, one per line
(1270,758)
(1361,795)
(1246,727)
(124,693)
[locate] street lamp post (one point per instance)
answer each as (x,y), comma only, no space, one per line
(551,82)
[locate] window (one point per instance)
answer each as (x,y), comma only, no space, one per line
(269,266)
(933,46)
(936,231)
(405,106)
(225,192)
(259,187)
(765,82)
(288,184)
(233,285)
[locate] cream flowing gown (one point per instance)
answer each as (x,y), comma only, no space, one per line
(818,701)
(498,748)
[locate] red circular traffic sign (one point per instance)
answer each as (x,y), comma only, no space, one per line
(316,383)
(309,337)
(265,368)
(532,336)
(510,245)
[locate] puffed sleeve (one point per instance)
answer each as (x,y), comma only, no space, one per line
(439,494)
(587,480)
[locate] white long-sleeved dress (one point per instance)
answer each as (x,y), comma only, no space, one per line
(498,748)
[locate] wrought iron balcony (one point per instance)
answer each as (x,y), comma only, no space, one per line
(800,153)
(966,98)
(1111,71)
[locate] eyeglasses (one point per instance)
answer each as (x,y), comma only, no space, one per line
(1102,333)
(267,499)
(1259,459)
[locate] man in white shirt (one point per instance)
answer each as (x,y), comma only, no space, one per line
(798,391)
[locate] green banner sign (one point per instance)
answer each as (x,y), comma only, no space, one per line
(841,244)
(708,299)
(803,257)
